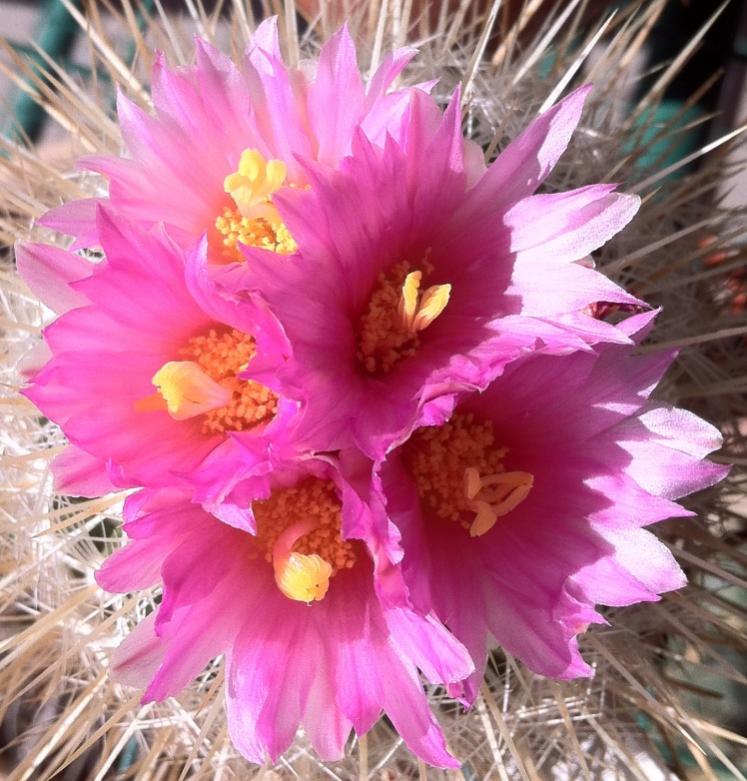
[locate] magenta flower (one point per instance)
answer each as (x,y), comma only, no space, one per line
(316,632)
(524,507)
(226,136)
(419,272)
(145,375)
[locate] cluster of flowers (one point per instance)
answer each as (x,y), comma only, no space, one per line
(356,376)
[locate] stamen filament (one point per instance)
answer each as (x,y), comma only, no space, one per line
(507,478)
(153,403)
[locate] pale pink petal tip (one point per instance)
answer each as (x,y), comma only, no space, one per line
(50,272)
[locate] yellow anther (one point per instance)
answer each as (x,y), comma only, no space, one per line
(232,230)
(303,578)
(187,390)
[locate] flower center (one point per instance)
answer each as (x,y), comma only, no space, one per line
(298,531)
(459,473)
(206,383)
(398,310)
(253,220)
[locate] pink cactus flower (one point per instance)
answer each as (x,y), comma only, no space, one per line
(419,272)
(225,137)
(145,365)
(317,632)
(371,456)
(524,507)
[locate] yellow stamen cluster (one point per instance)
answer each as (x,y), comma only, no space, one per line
(397,312)
(254,221)
(221,355)
(312,500)
(253,232)
(459,473)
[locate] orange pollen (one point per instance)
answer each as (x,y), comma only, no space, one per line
(397,311)
(314,503)
(459,473)
(233,229)
(222,354)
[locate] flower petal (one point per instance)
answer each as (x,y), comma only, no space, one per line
(77,473)
(525,163)
(49,272)
(561,227)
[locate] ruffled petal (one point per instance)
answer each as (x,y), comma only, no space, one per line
(135,567)
(155,527)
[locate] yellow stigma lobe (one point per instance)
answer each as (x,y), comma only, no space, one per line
(302,577)
(408,305)
(307,554)
(460,476)
(254,182)
(396,314)
(432,303)
(417,311)
(493,496)
(254,220)
(187,390)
